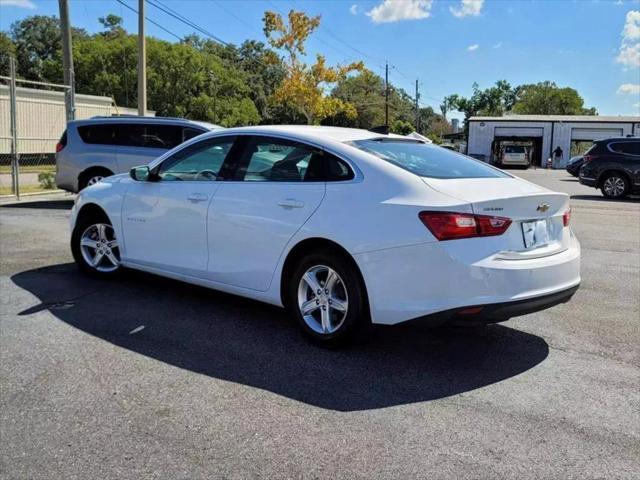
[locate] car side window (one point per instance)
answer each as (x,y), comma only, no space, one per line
(188,133)
(198,162)
(276,160)
(149,135)
(626,148)
(279,160)
(97,134)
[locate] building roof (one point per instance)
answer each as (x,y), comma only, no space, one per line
(558,118)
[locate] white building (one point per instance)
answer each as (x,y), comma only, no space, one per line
(41,117)
(572,133)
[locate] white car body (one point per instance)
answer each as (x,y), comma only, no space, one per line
(235,236)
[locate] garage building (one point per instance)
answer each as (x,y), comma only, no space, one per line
(574,134)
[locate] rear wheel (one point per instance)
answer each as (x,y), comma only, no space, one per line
(327,298)
(95,247)
(615,185)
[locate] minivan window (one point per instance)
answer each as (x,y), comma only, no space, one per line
(188,133)
(97,134)
(148,135)
(427,160)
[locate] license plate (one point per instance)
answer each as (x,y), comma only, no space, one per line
(535,233)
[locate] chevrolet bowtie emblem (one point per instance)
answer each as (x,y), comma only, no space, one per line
(543,207)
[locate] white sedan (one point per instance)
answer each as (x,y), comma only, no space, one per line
(342,227)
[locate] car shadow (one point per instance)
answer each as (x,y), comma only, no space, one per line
(243,341)
(602,198)
(42,204)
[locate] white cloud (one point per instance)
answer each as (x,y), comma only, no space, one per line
(473,47)
(631,31)
(629,89)
(497,45)
(397,10)
(467,8)
(18,3)
(629,55)
(353,9)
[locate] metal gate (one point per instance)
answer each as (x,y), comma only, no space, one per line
(32,119)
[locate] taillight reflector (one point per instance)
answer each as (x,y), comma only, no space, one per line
(451,225)
(566,217)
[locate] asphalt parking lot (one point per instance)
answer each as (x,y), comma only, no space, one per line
(150,378)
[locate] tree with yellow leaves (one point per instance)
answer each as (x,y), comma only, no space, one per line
(304,86)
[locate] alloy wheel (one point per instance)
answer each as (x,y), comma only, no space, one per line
(99,248)
(614,186)
(95,179)
(322,299)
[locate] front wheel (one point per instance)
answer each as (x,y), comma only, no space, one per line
(327,298)
(95,247)
(615,186)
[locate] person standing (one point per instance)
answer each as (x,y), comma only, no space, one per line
(557,157)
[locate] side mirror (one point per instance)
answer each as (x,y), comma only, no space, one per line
(140,174)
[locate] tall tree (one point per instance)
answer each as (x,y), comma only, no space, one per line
(546,98)
(304,87)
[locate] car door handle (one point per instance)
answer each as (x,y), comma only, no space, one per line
(290,203)
(197,197)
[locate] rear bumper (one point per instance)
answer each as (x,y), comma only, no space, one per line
(496,312)
(439,281)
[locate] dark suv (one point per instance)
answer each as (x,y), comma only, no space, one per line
(613,166)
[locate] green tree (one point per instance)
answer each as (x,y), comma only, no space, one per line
(7,50)
(546,98)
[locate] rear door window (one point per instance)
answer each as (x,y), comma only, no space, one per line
(149,135)
(626,148)
(189,132)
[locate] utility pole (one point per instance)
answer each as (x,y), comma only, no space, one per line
(15,158)
(67,60)
(417,108)
(142,62)
(386,93)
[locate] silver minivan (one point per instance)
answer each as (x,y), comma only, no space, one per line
(90,150)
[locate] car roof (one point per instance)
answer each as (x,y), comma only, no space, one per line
(139,119)
(313,132)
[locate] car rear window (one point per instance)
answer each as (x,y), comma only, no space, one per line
(428,160)
(514,149)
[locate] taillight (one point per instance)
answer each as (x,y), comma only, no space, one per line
(450,225)
(62,142)
(566,217)
(587,158)
(59,146)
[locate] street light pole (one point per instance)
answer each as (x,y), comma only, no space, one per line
(67,60)
(142,62)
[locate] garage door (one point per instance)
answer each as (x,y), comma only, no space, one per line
(518,131)
(595,133)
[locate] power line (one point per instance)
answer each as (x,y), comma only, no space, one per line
(176,15)
(150,21)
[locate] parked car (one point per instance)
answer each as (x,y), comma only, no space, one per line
(96,148)
(574,164)
(514,155)
(342,227)
(613,166)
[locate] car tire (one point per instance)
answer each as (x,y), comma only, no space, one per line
(319,308)
(95,248)
(615,185)
(92,176)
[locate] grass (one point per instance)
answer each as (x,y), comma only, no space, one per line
(29,169)
(6,190)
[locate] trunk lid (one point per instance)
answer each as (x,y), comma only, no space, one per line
(536,213)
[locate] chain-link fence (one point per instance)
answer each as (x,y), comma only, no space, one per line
(32,120)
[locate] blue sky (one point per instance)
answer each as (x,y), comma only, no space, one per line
(590,45)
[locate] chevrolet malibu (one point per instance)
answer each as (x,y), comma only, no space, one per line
(344,228)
